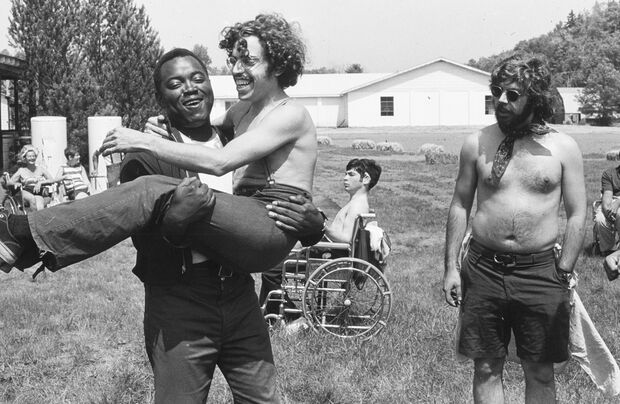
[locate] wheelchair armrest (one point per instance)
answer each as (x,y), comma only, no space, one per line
(332,246)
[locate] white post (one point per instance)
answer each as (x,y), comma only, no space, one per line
(98,127)
(49,137)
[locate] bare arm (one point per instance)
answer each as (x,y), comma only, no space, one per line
(281,126)
(49,179)
(458,218)
(16,177)
(343,232)
(574,196)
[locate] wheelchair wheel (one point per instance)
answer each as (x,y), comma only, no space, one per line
(11,206)
(347,297)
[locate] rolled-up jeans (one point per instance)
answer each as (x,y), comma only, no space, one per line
(237,233)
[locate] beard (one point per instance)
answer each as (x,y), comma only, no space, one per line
(509,123)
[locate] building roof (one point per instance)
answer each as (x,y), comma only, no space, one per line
(11,68)
(309,85)
(569,97)
(399,73)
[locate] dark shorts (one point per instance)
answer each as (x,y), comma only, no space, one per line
(527,298)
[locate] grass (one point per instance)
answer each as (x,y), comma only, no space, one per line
(76,336)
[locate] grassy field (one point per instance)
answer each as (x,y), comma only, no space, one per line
(76,336)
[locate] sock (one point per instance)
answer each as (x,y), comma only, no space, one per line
(18,225)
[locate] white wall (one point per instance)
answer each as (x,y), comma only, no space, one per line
(4,112)
(438,94)
(324,111)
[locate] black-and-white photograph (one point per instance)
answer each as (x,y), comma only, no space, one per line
(309,202)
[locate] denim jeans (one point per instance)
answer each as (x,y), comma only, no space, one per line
(237,233)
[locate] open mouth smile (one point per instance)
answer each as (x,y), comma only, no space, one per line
(192,102)
(242,82)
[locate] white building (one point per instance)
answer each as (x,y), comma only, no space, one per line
(571,103)
(441,92)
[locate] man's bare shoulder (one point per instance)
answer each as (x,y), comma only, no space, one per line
(237,111)
(472,144)
(564,144)
(290,117)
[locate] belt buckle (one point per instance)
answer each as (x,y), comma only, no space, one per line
(224,272)
(506,259)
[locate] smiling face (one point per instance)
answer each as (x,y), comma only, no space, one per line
(512,114)
(30,157)
(185,92)
(251,72)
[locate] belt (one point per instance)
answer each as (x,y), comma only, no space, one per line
(511,259)
(212,268)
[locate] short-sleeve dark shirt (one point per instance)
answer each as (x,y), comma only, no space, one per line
(610,181)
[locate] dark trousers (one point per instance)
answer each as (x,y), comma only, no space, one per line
(202,322)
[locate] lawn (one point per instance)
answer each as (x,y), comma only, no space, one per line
(75,336)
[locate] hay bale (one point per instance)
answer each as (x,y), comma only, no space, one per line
(324,140)
(430,148)
(390,146)
(440,158)
(363,144)
(613,155)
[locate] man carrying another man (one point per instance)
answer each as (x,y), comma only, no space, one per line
(512,277)
(197,314)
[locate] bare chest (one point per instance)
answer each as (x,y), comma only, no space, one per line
(527,172)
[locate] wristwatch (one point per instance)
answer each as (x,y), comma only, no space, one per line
(565,275)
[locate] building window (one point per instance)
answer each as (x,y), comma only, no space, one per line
(387,106)
(489,109)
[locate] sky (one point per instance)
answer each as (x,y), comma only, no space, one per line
(383,36)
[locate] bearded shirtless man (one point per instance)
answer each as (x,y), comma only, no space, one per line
(512,278)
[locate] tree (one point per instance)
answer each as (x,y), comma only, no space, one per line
(86,57)
(583,52)
(354,68)
(202,52)
(320,70)
(44,31)
(601,95)
(130,48)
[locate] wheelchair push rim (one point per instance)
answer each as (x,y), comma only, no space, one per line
(348,298)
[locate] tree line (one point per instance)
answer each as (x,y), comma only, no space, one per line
(583,51)
(85,58)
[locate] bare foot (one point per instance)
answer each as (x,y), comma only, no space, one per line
(191,201)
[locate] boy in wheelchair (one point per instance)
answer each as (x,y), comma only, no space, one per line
(73,177)
(361,175)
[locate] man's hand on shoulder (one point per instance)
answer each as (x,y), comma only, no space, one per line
(156,125)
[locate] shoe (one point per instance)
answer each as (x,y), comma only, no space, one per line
(10,249)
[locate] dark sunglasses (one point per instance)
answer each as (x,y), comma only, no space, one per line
(511,95)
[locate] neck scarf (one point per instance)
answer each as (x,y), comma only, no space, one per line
(504,151)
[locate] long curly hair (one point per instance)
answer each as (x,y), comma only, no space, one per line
(533,76)
(283,47)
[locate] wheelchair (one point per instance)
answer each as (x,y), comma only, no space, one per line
(339,288)
(12,200)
